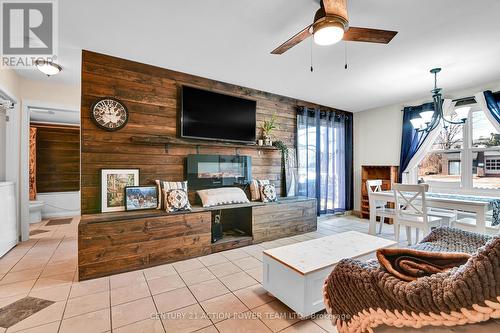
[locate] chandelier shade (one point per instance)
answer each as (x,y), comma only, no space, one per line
(428,120)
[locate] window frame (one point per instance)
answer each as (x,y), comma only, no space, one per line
(466,161)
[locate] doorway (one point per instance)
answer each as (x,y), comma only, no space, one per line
(50,163)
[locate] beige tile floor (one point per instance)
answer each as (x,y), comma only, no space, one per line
(216,293)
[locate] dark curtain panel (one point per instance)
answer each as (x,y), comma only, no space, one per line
(349,176)
(411,139)
(324,158)
(493,103)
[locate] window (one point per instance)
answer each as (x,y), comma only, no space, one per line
(464,157)
(485,153)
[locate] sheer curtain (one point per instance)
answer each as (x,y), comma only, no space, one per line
(324,158)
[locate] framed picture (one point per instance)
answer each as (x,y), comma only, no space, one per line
(113,183)
(141,197)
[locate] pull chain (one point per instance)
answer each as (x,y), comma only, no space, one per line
(345,55)
(312,69)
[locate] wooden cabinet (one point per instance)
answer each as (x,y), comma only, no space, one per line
(111,243)
(120,242)
(387,173)
(283,219)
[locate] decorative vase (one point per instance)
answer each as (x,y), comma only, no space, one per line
(260,142)
(267,141)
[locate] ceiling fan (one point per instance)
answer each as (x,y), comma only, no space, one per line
(331,25)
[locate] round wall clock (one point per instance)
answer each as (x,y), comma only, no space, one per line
(109,114)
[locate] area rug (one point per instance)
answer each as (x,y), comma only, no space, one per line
(59,221)
(21,309)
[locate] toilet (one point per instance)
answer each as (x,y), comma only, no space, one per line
(36,211)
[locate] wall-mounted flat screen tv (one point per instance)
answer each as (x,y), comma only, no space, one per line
(213,116)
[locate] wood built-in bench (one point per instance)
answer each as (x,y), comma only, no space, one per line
(111,243)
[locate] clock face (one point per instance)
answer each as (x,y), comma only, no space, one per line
(109,114)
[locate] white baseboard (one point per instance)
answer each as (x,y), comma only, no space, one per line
(61,214)
(60,204)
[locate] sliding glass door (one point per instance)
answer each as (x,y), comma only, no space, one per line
(324,156)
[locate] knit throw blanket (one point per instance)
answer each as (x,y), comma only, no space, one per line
(404,291)
(410,264)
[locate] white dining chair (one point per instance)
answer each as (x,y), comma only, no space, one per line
(412,211)
(380,206)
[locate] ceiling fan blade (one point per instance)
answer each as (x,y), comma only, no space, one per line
(336,7)
(302,35)
(355,34)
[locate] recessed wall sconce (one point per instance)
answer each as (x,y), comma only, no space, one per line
(47,67)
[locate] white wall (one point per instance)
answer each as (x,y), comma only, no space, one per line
(50,93)
(377,133)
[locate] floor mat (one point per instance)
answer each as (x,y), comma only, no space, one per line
(37,231)
(59,221)
(21,309)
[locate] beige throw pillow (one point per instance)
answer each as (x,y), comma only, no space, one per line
(222,196)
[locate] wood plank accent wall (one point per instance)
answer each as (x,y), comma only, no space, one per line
(151,95)
(57,158)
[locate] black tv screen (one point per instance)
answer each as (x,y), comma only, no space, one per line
(213,116)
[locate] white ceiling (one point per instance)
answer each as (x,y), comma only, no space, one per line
(231,41)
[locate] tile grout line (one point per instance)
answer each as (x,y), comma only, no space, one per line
(110,307)
(31,289)
(154,302)
(58,244)
(198,303)
(17,262)
(65,305)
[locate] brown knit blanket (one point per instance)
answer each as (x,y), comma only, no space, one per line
(410,264)
(363,295)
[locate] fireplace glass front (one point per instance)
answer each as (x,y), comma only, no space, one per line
(210,171)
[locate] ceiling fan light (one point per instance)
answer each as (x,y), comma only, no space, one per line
(427,116)
(328,33)
(48,68)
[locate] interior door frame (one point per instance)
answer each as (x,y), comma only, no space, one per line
(24,158)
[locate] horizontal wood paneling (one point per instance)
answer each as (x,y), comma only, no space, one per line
(151,95)
(283,219)
(111,243)
(116,246)
(57,158)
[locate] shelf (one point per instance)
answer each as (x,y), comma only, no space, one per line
(231,242)
(158,140)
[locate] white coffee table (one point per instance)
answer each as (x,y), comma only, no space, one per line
(295,273)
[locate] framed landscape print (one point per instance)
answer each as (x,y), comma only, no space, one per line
(141,197)
(113,183)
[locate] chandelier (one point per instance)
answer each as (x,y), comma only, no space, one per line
(428,120)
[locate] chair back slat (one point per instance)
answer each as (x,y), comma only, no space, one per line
(410,200)
(375,185)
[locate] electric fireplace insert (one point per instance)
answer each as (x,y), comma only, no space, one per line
(210,171)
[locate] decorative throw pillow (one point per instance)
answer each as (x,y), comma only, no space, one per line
(255,188)
(176,200)
(164,185)
(268,193)
(222,196)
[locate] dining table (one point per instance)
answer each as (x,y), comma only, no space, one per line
(479,205)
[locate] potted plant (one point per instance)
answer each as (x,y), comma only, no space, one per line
(267,128)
